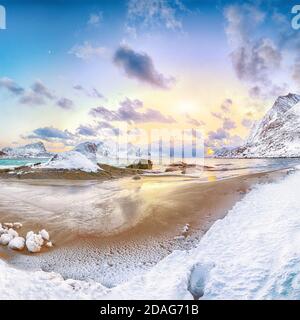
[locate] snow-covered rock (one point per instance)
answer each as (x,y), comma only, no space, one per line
(12,232)
(17,225)
(49,244)
(29,234)
(17,243)
(276,135)
(45,235)
(5,238)
(8,224)
(34,242)
(71,160)
(33,150)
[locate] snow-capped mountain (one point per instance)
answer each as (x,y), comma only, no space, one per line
(276,135)
(33,150)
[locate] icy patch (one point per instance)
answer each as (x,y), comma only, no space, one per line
(71,160)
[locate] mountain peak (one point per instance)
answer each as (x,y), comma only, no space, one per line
(284,103)
(276,135)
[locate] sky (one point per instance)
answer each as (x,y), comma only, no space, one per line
(74,70)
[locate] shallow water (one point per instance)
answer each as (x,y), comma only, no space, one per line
(13,163)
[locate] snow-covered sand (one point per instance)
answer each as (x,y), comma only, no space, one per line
(252,253)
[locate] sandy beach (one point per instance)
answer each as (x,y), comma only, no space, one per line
(109,231)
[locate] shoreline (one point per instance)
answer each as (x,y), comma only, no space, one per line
(166,206)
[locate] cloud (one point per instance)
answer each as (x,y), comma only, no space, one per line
(86,131)
(247,123)
(226,105)
(95,19)
(255,59)
(217,115)
(40,89)
(11,86)
(78,87)
(139,65)
(95,93)
(105,125)
(128,111)
(296,71)
(104,113)
(100,128)
(221,138)
(194,122)
(146,15)
(87,51)
(219,134)
(32,98)
(36,95)
(49,134)
(65,103)
(228,124)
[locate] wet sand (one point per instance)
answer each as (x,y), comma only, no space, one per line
(141,223)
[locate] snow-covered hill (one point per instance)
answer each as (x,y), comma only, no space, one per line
(33,150)
(276,135)
(71,160)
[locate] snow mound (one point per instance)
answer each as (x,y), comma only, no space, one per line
(71,160)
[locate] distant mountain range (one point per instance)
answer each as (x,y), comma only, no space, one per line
(276,135)
(94,151)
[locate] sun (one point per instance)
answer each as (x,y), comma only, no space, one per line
(186,107)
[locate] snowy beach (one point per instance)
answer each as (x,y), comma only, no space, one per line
(110,232)
(247,254)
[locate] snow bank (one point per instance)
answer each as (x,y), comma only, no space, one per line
(71,160)
(20,284)
(253,253)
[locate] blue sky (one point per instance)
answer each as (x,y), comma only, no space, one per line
(183,59)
